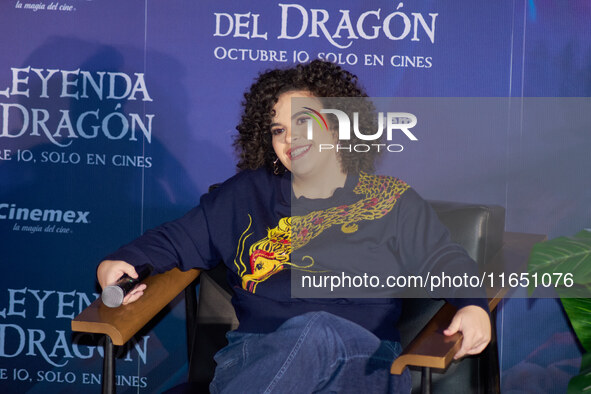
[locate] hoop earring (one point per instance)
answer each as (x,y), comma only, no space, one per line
(276,168)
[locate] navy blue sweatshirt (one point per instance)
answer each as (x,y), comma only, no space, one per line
(255,226)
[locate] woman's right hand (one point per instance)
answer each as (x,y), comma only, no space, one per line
(109,272)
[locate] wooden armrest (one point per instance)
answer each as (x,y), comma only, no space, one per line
(431,348)
(124,322)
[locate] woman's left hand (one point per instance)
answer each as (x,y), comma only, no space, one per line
(474,324)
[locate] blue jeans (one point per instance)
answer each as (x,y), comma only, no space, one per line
(313,353)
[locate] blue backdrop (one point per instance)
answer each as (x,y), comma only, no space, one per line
(116,116)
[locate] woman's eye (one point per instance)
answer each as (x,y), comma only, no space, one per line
(277,131)
(302,120)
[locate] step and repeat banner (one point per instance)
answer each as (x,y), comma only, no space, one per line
(116,116)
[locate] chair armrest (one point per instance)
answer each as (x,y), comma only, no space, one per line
(124,322)
(431,348)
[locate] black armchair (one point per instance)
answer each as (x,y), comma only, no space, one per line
(479,228)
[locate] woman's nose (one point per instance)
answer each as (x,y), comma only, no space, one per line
(290,136)
(294,133)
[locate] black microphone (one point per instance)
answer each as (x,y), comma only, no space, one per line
(113,295)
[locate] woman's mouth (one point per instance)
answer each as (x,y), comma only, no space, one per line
(296,153)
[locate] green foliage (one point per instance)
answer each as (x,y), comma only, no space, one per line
(570,255)
(579,314)
(581,382)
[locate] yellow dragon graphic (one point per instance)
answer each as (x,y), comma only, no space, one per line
(271,254)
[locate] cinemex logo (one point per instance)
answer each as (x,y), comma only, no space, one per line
(11,212)
(395,122)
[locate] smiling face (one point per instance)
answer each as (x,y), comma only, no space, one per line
(300,155)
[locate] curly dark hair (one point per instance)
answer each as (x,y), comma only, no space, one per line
(324,80)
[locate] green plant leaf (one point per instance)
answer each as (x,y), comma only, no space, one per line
(572,256)
(582,382)
(579,314)
(564,255)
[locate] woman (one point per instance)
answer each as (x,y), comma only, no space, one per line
(296,208)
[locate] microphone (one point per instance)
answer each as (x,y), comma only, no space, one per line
(112,296)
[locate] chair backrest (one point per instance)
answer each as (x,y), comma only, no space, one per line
(478,228)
